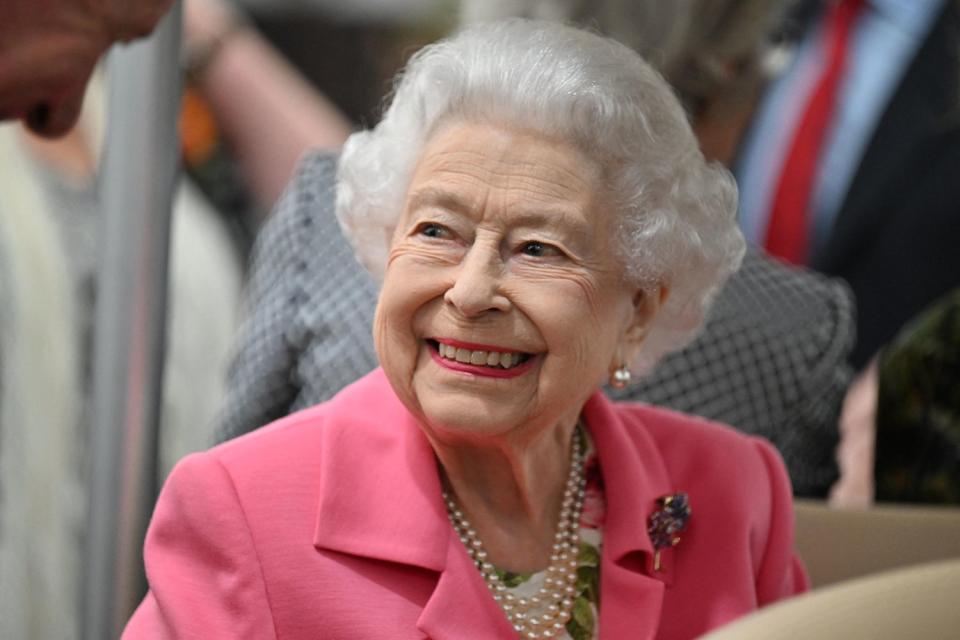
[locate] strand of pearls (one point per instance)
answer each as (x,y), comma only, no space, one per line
(544,614)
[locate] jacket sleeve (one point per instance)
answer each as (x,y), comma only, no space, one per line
(781,573)
(203,572)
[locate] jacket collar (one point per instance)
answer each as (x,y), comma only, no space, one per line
(380,498)
(635,476)
(379,486)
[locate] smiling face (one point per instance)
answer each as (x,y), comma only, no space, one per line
(503,304)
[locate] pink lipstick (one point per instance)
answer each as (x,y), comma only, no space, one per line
(487,371)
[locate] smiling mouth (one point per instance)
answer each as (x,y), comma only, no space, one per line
(480,358)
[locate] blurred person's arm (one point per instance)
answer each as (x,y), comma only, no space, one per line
(269,113)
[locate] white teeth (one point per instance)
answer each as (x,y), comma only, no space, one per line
(488,358)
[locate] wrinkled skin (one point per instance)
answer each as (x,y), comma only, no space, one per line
(48,49)
(505,241)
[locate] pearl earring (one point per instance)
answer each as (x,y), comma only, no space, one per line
(620,377)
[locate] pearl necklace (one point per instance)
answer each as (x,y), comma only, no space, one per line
(544,614)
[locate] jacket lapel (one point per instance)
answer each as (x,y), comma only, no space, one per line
(380,498)
(631,591)
(379,488)
(461,605)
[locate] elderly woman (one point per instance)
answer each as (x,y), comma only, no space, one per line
(542,220)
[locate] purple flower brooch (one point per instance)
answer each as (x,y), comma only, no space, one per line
(666,522)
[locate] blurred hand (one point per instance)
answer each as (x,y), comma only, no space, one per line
(48,49)
(858,436)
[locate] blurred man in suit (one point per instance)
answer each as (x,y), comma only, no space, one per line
(850,165)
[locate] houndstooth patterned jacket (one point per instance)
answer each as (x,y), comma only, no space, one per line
(771,359)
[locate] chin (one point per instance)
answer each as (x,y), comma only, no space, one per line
(467,416)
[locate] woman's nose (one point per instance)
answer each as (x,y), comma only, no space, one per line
(477,288)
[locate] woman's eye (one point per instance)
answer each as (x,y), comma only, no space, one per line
(536,249)
(433,230)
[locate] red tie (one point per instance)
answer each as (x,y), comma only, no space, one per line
(788,229)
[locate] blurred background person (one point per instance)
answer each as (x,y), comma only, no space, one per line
(849,166)
(50,220)
(248,115)
(716,54)
(50,217)
(850,163)
(266,110)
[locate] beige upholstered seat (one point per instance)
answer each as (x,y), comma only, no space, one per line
(839,544)
(922,601)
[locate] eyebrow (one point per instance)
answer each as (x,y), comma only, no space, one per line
(531,216)
(548,217)
(433,197)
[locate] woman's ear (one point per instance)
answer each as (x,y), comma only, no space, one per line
(646,305)
(647,302)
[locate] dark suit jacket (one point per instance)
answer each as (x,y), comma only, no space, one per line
(896,239)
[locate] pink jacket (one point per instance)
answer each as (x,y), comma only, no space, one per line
(329,524)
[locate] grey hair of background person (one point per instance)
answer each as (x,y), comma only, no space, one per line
(677,212)
(699,45)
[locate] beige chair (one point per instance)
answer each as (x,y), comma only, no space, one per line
(918,602)
(839,544)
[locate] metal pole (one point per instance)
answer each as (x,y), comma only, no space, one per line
(138,175)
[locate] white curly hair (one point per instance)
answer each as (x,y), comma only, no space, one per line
(678,227)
